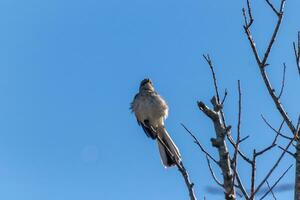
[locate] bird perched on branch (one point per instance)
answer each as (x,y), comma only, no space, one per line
(151,110)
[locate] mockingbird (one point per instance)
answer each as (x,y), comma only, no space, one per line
(151,110)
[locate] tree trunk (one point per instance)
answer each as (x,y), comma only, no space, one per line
(297,176)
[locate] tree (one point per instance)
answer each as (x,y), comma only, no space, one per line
(232,183)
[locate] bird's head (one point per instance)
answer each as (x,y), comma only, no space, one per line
(146,84)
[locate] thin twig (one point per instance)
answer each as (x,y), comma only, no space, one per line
(182,170)
(279,15)
(241,186)
(273,168)
(212,173)
(273,195)
(276,182)
(199,144)
(224,98)
(298,127)
(283,81)
(253,173)
(249,11)
(248,23)
(245,16)
(272,7)
(273,144)
(230,139)
(253,162)
(262,63)
(278,103)
(209,62)
(265,150)
(217,94)
(297,52)
(244,138)
(278,132)
(292,154)
(298,123)
(235,157)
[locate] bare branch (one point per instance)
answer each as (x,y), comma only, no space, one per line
(249,11)
(297,52)
(224,98)
(265,150)
(276,182)
(278,103)
(270,126)
(292,154)
(219,143)
(199,144)
(182,170)
(273,168)
(245,16)
(240,114)
(232,142)
(243,139)
(277,131)
(256,154)
(279,15)
(212,172)
(209,62)
(252,44)
(209,112)
(248,33)
(273,144)
(235,157)
(221,130)
(241,186)
(286,137)
(248,23)
(253,172)
(298,124)
(272,7)
(262,63)
(297,171)
(216,99)
(273,195)
(283,81)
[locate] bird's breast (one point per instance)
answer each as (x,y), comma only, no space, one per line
(150,108)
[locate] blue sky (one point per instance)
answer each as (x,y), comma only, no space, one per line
(69,70)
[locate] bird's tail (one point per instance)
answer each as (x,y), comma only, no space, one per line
(169,152)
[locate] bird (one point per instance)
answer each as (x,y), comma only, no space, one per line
(151,110)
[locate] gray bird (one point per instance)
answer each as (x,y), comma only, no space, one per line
(151,110)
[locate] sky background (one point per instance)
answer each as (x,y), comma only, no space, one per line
(69,70)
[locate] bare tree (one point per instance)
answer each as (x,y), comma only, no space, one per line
(262,64)
(227,162)
(231,183)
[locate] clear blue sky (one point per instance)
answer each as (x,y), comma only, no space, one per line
(69,70)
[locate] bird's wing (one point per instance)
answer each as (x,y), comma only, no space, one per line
(148,129)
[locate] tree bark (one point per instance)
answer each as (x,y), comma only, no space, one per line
(297,177)
(219,142)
